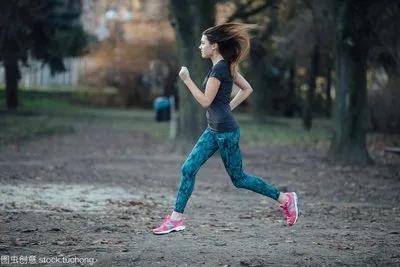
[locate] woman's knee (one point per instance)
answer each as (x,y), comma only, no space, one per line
(239,181)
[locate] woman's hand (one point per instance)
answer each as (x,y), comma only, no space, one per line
(184,74)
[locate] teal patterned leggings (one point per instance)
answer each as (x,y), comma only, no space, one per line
(228,145)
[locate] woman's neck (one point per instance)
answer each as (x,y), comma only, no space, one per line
(216,58)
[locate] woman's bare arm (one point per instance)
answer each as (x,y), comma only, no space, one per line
(244,92)
(205,99)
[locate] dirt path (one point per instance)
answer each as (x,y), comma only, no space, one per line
(96,194)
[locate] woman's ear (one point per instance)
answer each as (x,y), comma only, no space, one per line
(214,46)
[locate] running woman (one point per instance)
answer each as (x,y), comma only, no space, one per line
(226,45)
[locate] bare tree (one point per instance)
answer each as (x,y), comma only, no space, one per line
(349,141)
(189,19)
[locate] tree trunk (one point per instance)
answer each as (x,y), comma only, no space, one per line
(390,122)
(308,107)
(349,141)
(261,99)
(261,69)
(190,19)
(291,97)
(328,88)
(12,76)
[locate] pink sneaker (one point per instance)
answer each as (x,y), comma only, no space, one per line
(168,225)
(290,209)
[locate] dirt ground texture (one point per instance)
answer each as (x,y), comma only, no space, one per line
(97,193)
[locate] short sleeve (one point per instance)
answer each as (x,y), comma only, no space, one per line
(220,71)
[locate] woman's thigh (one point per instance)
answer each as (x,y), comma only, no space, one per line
(204,148)
(228,144)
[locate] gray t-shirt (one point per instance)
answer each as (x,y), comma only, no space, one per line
(219,115)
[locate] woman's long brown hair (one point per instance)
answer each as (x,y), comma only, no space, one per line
(233,42)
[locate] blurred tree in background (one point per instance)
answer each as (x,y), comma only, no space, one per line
(384,55)
(264,67)
(360,30)
(45,30)
(190,19)
(292,47)
(349,141)
(321,52)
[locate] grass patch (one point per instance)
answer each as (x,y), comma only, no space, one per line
(16,128)
(30,120)
(282,131)
(50,113)
(43,113)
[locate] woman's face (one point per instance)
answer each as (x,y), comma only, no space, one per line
(206,48)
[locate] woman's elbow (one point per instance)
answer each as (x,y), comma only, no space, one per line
(250,90)
(206,104)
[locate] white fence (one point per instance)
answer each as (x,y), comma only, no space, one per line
(37,75)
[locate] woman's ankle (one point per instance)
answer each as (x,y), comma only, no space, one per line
(282,199)
(175,216)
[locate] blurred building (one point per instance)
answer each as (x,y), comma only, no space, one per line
(140,20)
(135,40)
